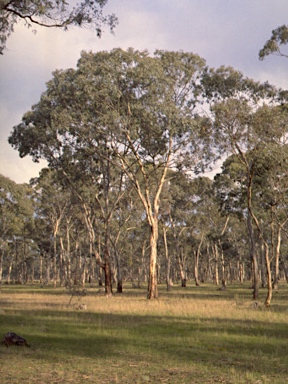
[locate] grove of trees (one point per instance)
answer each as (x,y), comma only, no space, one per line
(127,137)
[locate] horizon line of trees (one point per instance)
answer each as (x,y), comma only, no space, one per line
(202,238)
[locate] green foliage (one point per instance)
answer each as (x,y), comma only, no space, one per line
(123,100)
(55,13)
(273,45)
(16,209)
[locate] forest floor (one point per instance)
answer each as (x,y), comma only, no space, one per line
(190,335)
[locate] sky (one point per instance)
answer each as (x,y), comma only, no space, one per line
(223,32)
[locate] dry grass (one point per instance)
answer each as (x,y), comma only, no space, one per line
(197,335)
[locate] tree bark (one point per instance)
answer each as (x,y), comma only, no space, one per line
(167,258)
(152,282)
(216,259)
(277,257)
(253,255)
(269,276)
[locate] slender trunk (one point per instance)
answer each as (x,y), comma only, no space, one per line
(267,259)
(119,272)
(79,268)
(41,269)
(107,266)
(47,278)
(1,264)
(54,261)
(182,267)
(167,258)
(9,270)
(223,268)
(91,266)
(62,268)
(277,257)
(263,263)
(253,258)
(241,270)
(152,282)
(269,276)
(216,259)
(196,261)
(196,268)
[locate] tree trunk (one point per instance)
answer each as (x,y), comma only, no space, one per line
(263,264)
(54,261)
(107,265)
(216,259)
(196,268)
(152,280)
(118,266)
(9,270)
(1,265)
(182,267)
(47,278)
(240,267)
(269,276)
(196,261)
(41,269)
(119,272)
(223,268)
(167,258)
(277,257)
(253,258)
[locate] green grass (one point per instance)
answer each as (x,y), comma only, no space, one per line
(193,335)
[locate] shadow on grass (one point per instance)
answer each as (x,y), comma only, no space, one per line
(245,345)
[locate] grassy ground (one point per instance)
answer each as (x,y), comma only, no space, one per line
(193,335)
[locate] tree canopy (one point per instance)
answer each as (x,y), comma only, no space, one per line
(53,13)
(278,38)
(125,133)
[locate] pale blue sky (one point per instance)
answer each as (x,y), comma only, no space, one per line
(223,32)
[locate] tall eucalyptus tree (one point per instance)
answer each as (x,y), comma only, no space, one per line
(251,133)
(132,110)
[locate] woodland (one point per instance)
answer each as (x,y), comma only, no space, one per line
(128,137)
(165,180)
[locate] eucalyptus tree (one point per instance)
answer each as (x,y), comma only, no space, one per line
(234,101)
(249,132)
(272,181)
(135,111)
(52,14)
